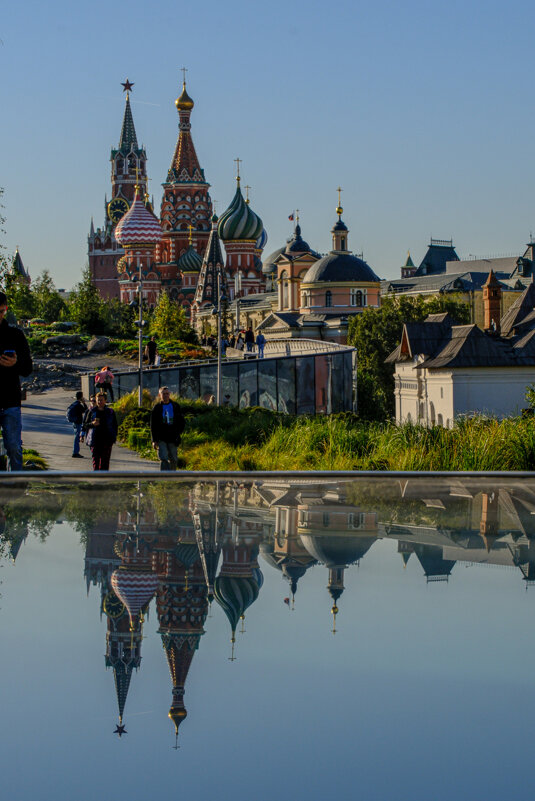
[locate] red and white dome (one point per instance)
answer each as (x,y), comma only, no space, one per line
(134,589)
(138,226)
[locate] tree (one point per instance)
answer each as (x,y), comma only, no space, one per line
(49,303)
(377,332)
(4,264)
(21,298)
(86,307)
(170,322)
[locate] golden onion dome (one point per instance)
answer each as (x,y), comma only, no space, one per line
(177,715)
(184,102)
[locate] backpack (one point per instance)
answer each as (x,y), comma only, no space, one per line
(73,415)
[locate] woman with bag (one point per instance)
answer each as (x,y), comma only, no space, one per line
(101,433)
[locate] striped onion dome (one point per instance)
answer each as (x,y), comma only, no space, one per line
(188,554)
(261,242)
(134,589)
(234,595)
(239,221)
(190,261)
(138,226)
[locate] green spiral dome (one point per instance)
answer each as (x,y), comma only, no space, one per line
(235,595)
(239,221)
(190,261)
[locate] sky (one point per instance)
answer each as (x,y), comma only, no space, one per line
(420,112)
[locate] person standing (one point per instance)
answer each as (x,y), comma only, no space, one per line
(166,424)
(101,433)
(103,381)
(152,351)
(15,361)
(249,339)
(76,415)
(260,342)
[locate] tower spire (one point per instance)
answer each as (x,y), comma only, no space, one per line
(128,140)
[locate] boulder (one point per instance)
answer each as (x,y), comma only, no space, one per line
(98,345)
(62,340)
(63,325)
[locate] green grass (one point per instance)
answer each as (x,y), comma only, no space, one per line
(258,439)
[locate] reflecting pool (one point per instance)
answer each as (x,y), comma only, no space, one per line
(268,637)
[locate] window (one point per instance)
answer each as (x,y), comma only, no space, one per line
(326,519)
(328,298)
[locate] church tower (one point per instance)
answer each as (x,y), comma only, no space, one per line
(186,201)
(128,168)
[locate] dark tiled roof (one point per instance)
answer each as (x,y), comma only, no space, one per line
(447,282)
(434,261)
(471,347)
(516,313)
(336,267)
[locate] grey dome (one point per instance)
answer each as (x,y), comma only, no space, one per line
(268,265)
(334,550)
(339,267)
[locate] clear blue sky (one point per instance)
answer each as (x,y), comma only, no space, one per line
(422,112)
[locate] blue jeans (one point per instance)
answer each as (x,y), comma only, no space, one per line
(77,428)
(11,424)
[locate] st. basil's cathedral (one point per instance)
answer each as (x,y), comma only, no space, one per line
(179,252)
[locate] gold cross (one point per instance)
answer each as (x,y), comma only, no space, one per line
(247,193)
(339,190)
(183,71)
(190,226)
(238,162)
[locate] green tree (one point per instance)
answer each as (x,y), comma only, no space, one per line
(121,319)
(169,321)
(377,332)
(48,302)
(21,298)
(86,307)
(4,264)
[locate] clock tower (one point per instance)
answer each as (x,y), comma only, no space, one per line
(128,168)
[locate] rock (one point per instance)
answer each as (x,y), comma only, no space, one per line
(98,345)
(63,325)
(62,339)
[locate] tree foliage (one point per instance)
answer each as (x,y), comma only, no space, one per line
(169,321)
(49,305)
(86,307)
(377,332)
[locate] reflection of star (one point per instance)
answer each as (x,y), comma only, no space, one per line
(120,730)
(127,86)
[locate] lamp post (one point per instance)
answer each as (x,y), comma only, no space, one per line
(237,291)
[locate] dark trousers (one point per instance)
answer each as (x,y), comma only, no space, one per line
(105,387)
(101,457)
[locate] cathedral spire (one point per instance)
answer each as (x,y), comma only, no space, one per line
(185,167)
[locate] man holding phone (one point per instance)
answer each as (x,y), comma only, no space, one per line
(15,360)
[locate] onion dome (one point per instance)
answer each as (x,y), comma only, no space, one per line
(261,242)
(234,595)
(339,226)
(298,245)
(188,554)
(337,267)
(239,221)
(134,589)
(184,102)
(190,261)
(177,715)
(138,226)
(334,550)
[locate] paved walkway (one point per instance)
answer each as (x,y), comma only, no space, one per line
(46,429)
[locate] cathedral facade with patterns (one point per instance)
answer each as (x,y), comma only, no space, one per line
(181,261)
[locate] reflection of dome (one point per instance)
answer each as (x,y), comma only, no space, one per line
(188,553)
(138,226)
(337,549)
(235,595)
(339,267)
(134,589)
(190,261)
(239,221)
(177,715)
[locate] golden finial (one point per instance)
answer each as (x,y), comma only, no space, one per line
(238,162)
(184,102)
(190,238)
(334,612)
(339,209)
(247,193)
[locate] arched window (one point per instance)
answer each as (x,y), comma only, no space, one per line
(120,165)
(132,162)
(284,282)
(328,298)
(359,297)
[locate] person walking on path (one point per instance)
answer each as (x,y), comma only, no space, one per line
(151,351)
(102,433)
(260,342)
(15,360)
(166,424)
(249,339)
(76,415)
(103,381)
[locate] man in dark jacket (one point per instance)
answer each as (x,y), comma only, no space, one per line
(166,424)
(15,360)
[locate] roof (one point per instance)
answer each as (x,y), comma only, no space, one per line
(128,140)
(138,225)
(505,264)
(268,265)
(438,253)
(446,282)
(298,245)
(422,338)
(335,267)
(471,347)
(519,310)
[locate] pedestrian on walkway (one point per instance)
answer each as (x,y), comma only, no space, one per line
(103,381)
(15,360)
(166,424)
(75,415)
(102,433)
(249,339)
(260,342)
(151,351)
